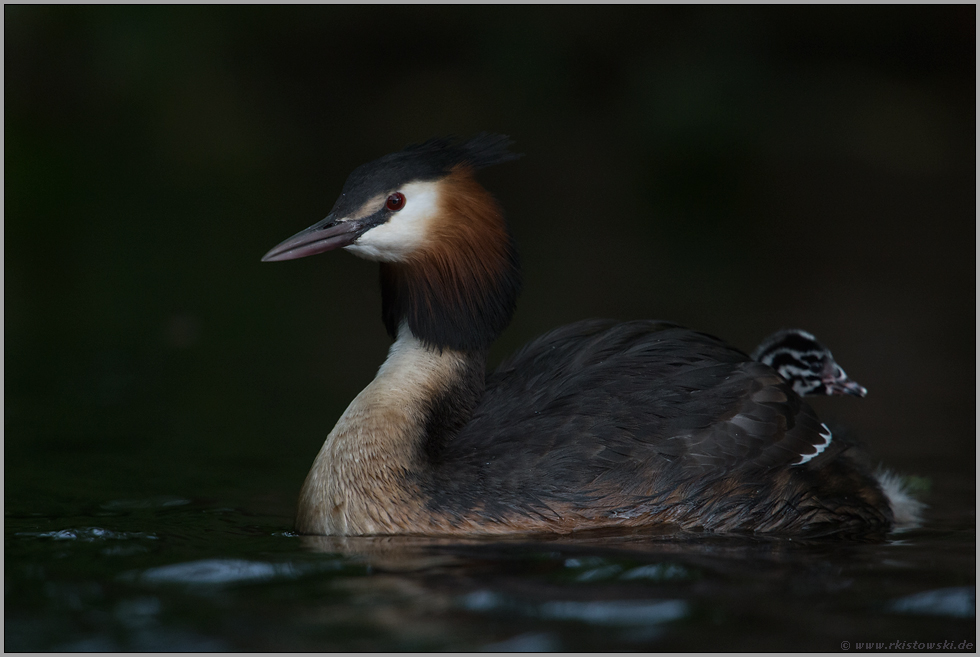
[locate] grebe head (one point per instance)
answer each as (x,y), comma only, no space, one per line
(449,267)
(398,206)
(806,364)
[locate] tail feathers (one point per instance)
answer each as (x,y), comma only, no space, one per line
(906,509)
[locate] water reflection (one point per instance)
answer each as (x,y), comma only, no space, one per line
(219,571)
(958,602)
(161,501)
(205,575)
(529,642)
(87,534)
(638,584)
(666,556)
(606,612)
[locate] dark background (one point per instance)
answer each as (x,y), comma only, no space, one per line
(734,169)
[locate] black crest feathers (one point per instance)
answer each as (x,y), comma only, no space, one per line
(442,154)
(431,160)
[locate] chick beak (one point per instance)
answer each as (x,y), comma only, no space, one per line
(838,383)
(326,235)
(847,387)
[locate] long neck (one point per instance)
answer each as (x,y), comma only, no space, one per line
(365,478)
(459,291)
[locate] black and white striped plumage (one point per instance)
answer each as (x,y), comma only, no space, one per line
(806,364)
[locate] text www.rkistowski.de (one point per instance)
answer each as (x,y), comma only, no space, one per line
(907,645)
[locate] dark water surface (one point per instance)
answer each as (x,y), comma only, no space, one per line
(167,573)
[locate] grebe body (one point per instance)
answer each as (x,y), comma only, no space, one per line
(595,424)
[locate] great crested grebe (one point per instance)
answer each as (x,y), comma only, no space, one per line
(595,424)
(806,364)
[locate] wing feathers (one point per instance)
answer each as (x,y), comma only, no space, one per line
(642,401)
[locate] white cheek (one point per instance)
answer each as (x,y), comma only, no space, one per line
(406,231)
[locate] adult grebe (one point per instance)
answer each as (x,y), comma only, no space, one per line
(595,424)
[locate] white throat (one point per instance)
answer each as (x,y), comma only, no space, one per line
(368,458)
(406,231)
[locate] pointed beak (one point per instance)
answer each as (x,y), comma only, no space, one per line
(326,235)
(838,383)
(845,386)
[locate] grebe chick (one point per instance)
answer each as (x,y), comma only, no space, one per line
(595,424)
(806,364)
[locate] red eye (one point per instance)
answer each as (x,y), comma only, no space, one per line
(395,202)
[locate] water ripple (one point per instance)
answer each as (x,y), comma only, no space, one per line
(229,571)
(617,612)
(159,501)
(956,601)
(606,612)
(528,642)
(87,535)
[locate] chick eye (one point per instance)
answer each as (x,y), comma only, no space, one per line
(395,202)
